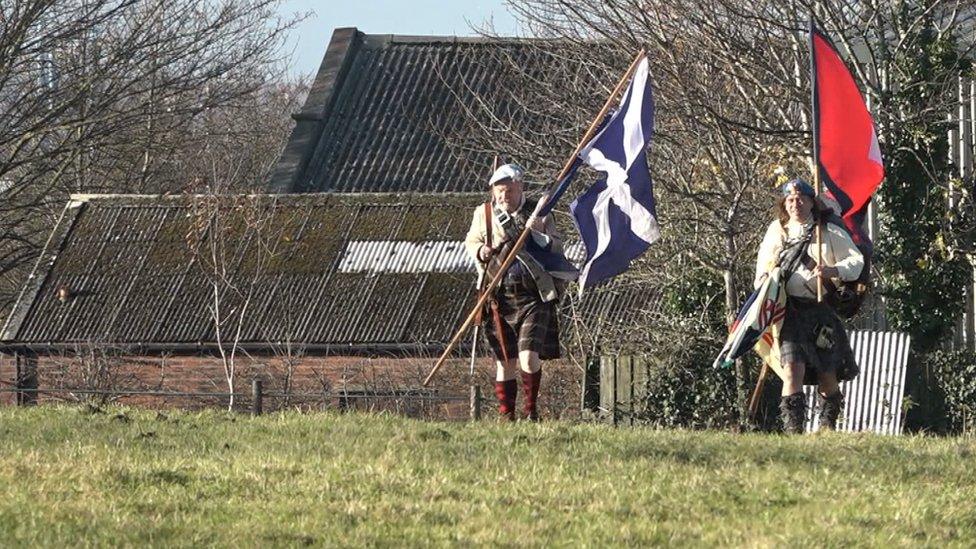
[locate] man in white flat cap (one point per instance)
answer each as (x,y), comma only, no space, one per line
(521,325)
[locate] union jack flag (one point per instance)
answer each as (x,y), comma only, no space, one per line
(757,324)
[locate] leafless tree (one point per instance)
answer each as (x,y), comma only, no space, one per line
(233,148)
(732,91)
(108,95)
(286,344)
(99,372)
(234,240)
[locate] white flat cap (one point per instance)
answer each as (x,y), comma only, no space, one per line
(508,171)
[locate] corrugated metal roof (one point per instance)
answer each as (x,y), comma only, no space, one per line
(359,270)
(134,281)
(611,317)
(397,256)
(388,113)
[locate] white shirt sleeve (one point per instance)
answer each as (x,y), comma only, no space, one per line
(549,236)
(542,239)
(847,258)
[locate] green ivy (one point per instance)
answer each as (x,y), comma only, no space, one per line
(689,393)
(921,279)
(954,376)
(697,293)
(683,390)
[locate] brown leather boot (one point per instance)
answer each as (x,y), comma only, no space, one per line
(506,391)
(530,383)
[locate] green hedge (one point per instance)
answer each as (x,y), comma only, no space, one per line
(685,391)
(949,403)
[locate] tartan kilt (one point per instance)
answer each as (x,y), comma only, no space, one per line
(798,341)
(528,323)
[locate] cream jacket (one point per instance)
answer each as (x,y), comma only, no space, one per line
(477,235)
(838,251)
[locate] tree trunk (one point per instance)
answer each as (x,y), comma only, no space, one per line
(230,389)
(742,378)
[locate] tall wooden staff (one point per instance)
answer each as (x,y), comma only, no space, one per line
(479,290)
(526,231)
(814,126)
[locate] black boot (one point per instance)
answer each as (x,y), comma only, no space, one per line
(793,411)
(830,409)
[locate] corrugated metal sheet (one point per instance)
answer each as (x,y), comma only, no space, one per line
(398,256)
(874,398)
(612,317)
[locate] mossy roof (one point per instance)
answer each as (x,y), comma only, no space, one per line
(139,271)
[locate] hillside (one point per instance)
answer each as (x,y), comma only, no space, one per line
(119,476)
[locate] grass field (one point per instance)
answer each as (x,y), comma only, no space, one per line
(132,477)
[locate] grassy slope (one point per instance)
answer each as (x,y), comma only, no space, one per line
(131,477)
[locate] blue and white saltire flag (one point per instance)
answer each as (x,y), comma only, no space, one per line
(615,216)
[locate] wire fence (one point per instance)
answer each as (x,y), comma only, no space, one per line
(411,402)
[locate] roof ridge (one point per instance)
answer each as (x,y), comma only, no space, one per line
(373,40)
(89,197)
(330,77)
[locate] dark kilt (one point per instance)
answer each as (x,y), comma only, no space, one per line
(528,323)
(798,341)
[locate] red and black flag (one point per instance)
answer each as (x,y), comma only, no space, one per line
(844,140)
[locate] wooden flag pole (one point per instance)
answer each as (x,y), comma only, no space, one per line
(820,286)
(815,130)
(814,123)
(757,392)
(526,232)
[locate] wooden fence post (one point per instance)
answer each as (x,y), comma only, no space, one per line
(26,379)
(256,398)
(475,409)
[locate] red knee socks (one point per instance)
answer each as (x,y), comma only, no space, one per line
(530,383)
(506,392)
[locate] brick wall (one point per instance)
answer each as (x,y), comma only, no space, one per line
(560,395)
